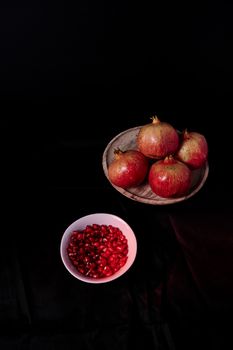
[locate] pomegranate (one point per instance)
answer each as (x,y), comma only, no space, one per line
(193,149)
(157,139)
(98,251)
(129,168)
(169,177)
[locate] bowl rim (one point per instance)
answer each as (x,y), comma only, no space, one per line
(131,254)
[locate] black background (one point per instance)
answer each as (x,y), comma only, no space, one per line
(121,61)
(72,76)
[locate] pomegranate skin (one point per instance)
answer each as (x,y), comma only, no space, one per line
(169,178)
(157,139)
(128,169)
(193,150)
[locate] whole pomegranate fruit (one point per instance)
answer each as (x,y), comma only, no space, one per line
(129,168)
(157,139)
(193,149)
(169,177)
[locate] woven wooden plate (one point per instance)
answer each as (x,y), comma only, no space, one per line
(143,193)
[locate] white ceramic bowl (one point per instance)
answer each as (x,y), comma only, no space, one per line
(101,219)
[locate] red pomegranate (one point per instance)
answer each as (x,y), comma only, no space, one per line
(169,178)
(193,149)
(157,139)
(129,168)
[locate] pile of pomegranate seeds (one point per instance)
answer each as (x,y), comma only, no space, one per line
(98,251)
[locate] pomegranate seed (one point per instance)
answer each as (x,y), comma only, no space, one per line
(98,251)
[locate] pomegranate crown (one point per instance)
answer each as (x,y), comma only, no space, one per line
(185,134)
(169,159)
(117,152)
(155,119)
